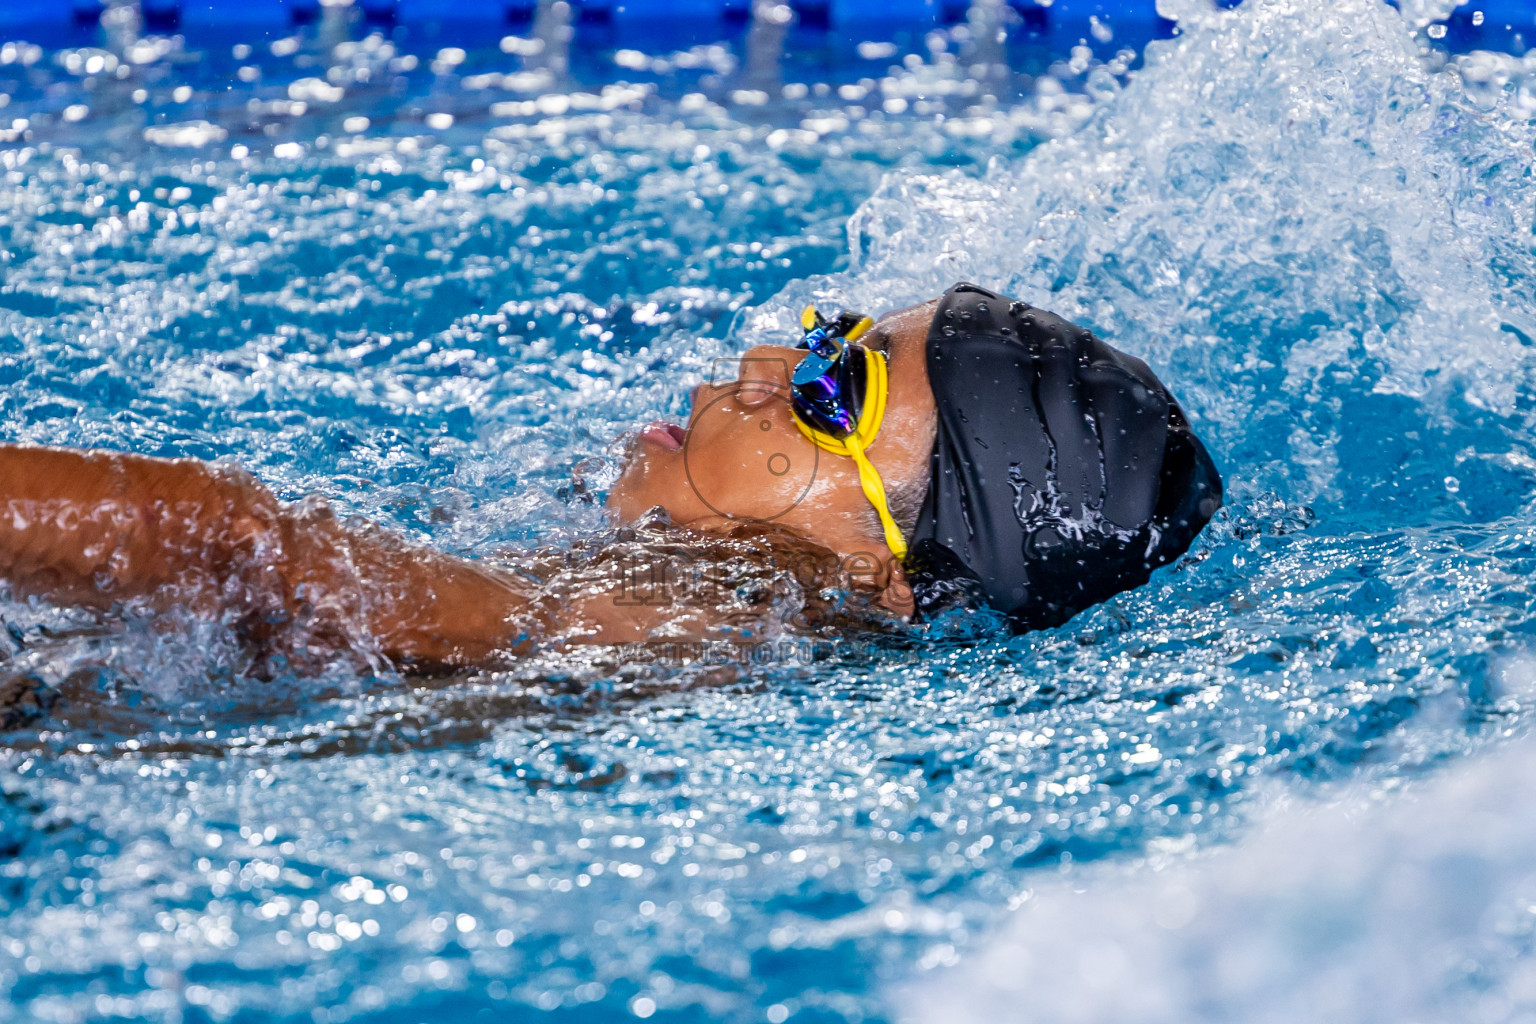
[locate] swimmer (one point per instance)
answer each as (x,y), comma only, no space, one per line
(973,451)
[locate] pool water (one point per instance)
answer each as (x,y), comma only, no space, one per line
(428,280)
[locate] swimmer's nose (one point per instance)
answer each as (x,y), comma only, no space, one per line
(765,374)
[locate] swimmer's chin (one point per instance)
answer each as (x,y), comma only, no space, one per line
(625,507)
(656,517)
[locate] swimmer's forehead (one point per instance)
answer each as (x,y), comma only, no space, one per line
(901,329)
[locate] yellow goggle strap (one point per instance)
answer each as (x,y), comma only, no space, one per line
(853,447)
(810,319)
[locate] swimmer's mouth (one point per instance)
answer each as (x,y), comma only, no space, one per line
(667,436)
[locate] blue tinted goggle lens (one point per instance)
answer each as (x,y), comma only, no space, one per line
(831,401)
(827,392)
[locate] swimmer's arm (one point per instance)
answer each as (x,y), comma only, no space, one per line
(98,528)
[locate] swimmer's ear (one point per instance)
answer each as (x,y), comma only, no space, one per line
(867,571)
(897,596)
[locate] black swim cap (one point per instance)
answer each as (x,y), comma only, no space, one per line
(1063,471)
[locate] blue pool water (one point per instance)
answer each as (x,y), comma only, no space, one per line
(428,278)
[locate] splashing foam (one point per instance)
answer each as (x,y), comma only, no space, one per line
(1417,909)
(1304,217)
(1293,211)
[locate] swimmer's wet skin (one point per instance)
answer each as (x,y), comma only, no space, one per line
(1029,466)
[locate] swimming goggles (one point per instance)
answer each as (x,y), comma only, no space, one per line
(837,396)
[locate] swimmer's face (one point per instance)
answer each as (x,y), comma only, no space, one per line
(741,459)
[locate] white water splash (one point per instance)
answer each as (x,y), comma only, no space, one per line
(1418,907)
(1321,233)
(1292,211)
